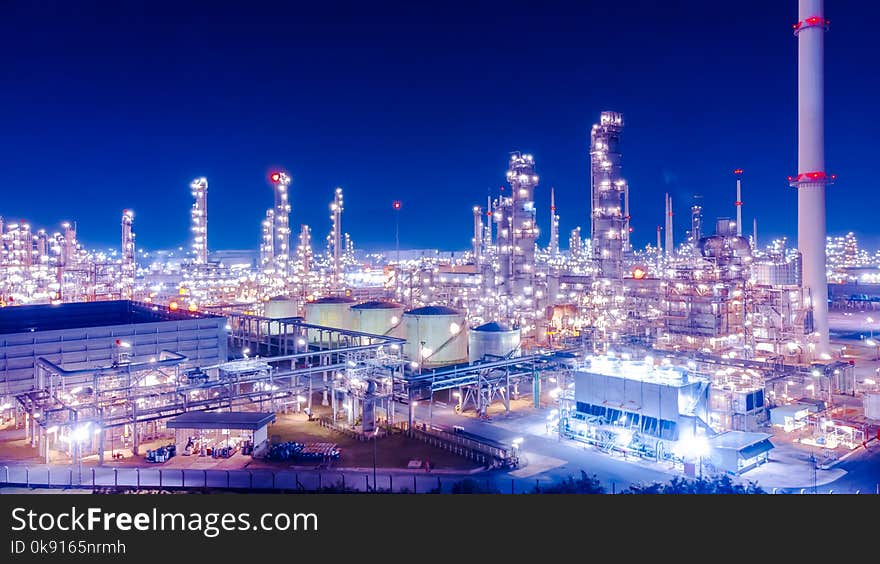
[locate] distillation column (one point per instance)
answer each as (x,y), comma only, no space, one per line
(812,178)
(478,236)
(607,189)
(554,225)
(335,237)
(199,214)
(281,225)
(519,229)
(738,203)
(127,265)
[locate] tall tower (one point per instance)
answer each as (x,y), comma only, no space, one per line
(738,203)
(518,229)
(334,240)
(607,190)
(477,241)
(812,177)
(127,265)
(670,243)
(305,249)
(554,225)
(696,224)
(281,223)
(575,244)
(199,214)
(267,242)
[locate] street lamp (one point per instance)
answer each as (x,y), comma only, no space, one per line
(375,434)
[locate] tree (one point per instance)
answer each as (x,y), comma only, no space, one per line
(583,485)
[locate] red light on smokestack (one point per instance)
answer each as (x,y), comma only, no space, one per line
(396,205)
(275,177)
(738,171)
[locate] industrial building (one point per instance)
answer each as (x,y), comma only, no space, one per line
(672,352)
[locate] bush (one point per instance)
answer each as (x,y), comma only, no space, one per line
(583,485)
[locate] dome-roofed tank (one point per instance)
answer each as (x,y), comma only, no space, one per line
(330,311)
(378,318)
(493,341)
(280,307)
(435,336)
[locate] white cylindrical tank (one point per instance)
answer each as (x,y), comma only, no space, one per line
(331,311)
(378,318)
(280,307)
(435,336)
(871,401)
(495,340)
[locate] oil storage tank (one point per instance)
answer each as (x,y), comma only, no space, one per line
(435,336)
(330,311)
(279,307)
(493,341)
(378,318)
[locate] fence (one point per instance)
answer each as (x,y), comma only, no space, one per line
(151,480)
(104,479)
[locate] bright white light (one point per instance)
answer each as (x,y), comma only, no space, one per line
(301,342)
(300,399)
(81,433)
(454,328)
(624,437)
(693,447)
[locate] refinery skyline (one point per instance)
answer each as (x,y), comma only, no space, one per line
(234,125)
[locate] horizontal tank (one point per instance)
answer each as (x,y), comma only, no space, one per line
(435,336)
(492,341)
(378,318)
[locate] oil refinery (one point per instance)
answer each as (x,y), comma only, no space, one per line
(704,351)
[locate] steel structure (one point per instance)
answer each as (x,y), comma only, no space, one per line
(281,223)
(517,227)
(199,215)
(608,224)
(128,264)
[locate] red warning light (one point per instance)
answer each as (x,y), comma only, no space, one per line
(276,177)
(396,205)
(738,171)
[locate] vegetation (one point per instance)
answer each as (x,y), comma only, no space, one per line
(715,485)
(583,485)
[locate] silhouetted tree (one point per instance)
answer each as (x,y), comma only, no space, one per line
(583,485)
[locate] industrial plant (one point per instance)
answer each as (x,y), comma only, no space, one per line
(697,353)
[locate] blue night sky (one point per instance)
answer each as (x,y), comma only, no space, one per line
(112,105)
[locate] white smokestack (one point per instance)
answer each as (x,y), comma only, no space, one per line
(811,178)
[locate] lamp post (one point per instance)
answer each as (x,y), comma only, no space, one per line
(397,205)
(870,320)
(375,435)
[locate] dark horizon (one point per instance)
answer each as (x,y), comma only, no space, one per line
(110,106)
